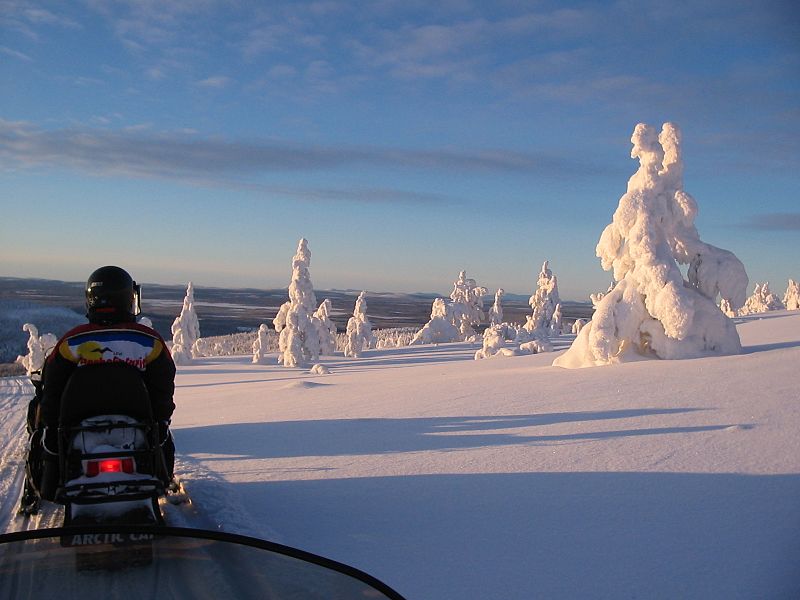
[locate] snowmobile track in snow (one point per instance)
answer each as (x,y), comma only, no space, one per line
(15,393)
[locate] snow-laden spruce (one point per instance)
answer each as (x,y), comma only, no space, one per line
(185,330)
(440,328)
(261,346)
(455,321)
(791,299)
(496,312)
(652,310)
(543,301)
(556,322)
(326,329)
(466,305)
(299,340)
(494,343)
(359,329)
(38,349)
(762,300)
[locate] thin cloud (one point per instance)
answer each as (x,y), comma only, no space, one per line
(775,222)
(145,154)
(14,54)
(216,82)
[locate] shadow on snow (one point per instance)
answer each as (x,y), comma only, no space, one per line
(343,437)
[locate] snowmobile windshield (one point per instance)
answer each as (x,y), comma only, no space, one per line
(168,562)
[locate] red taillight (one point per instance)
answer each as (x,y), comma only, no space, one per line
(109,465)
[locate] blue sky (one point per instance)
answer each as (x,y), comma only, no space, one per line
(405,140)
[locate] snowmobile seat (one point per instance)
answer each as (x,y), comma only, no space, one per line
(104,389)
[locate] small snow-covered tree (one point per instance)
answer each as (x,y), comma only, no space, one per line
(725,307)
(493,342)
(326,329)
(496,312)
(579,324)
(595,298)
(652,310)
(38,349)
(466,305)
(762,300)
(555,322)
(791,299)
(261,345)
(440,328)
(299,338)
(359,329)
(185,330)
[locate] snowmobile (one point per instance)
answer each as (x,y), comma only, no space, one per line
(109,465)
(187,563)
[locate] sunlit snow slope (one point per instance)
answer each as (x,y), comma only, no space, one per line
(451,478)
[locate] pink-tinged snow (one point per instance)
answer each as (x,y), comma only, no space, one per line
(506,478)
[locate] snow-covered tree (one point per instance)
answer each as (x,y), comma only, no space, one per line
(726,309)
(496,312)
(261,345)
(555,322)
(466,305)
(359,329)
(38,349)
(652,310)
(185,330)
(440,328)
(579,324)
(299,338)
(326,329)
(493,342)
(791,299)
(762,300)
(544,301)
(595,298)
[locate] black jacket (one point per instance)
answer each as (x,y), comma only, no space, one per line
(91,344)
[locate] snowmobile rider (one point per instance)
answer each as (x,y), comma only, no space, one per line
(111,336)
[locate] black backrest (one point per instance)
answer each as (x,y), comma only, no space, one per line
(104,389)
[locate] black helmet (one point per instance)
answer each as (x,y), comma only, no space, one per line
(112,296)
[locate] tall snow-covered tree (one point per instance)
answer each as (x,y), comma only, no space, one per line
(652,310)
(359,329)
(496,312)
(543,301)
(185,330)
(466,305)
(299,338)
(791,299)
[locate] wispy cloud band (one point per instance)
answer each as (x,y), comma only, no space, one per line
(775,222)
(179,154)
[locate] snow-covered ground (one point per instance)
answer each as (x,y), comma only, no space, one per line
(451,478)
